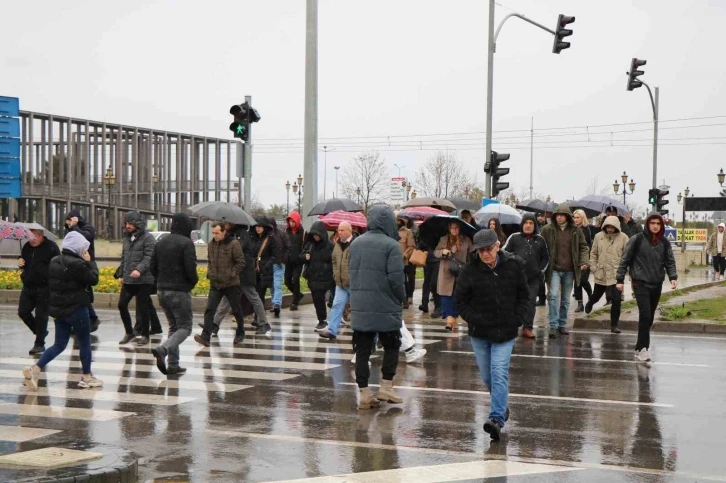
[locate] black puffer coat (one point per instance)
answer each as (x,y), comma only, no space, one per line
(267,257)
(69,279)
(84,228)
(319,269)
(174,263)
(248,276)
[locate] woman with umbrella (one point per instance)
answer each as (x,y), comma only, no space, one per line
(495,226)
(453,250)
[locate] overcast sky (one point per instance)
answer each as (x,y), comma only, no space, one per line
(409,71)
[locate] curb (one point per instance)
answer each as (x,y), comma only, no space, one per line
(632,325)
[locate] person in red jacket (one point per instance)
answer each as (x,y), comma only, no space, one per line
(293,269)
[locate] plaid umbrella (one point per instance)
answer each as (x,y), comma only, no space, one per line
(15,231)
(332,220)
(421,212)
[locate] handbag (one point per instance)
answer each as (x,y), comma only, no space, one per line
(259,254)
(455,266)
(418,258)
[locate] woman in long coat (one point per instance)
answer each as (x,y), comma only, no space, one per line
(452,246)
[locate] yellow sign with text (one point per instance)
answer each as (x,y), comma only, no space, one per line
(693,235)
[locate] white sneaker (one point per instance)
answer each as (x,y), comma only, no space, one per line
(642,355)
(31,377)
(352,361)
(415,355)
(649,354)
(89,381)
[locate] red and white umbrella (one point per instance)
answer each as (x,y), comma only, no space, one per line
(332,220)
(421,212)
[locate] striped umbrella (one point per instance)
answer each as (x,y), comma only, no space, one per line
(333,219)
(421,212)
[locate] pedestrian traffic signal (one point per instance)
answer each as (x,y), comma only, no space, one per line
(497,173)
(652,196)
(661,202)
(561,32)
(244,115)
(634,73)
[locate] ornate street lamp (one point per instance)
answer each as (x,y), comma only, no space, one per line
(631,185)
(721,176)
(681,201)
(357,191)
(287,188)
(298,188)
(109,180)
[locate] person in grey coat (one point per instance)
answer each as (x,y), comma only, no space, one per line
(138,281)
(377,293)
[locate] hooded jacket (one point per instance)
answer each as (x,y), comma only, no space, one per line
(405,239)
(319,270)
(174,262)
(494,302)
(377,281)
(532,249)
(295,237)
(649,258)
(137,253)
(280,247)
(37,261)
(607,250)
(226,261)
(712,244)
(263,258)
(248,276)
(70,278)
(578,246)
(87,230)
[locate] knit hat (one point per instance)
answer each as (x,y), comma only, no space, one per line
(484,239)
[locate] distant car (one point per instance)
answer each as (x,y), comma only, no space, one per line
(197,237)
(158,235)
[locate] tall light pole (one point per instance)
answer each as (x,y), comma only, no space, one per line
(311,106)
(109,180)
(399,169)
(297,187)
(631,185)
(287,188)
(682,201)
(336,182)
(325,171)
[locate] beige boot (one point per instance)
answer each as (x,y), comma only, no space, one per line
(454,324)
(385,393)
(367,401)
(450,321)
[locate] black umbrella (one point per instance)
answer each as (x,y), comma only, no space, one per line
(464,203)
(431,230)
(537,206)
(221,211)
(334,204)
(593,205)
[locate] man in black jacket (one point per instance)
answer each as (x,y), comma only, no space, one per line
(174,265)
(649,257)
(530,247)
(34,261)
(76,222)
(492,296)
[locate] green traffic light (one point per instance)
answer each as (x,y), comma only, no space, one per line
(240,129)
(651,201)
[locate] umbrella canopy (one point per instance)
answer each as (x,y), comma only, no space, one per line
(221,211)
(439,203)
(464,203)
(332,220)
(431,230)
(334,204)
(506,214)
(15,231)
(36,226)
(596,204)
(537,206)
(420,212)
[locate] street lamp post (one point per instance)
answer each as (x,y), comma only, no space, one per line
(631,185)
(109,180)
(357,191)
(682,201)
(297,187)
(325,172)
(721,177)
(336,181)
(287,188)
(155,181)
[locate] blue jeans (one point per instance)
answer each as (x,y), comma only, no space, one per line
(493,361)
(278,275)
(342,296)
(80,322)
(448,307)
(560,290)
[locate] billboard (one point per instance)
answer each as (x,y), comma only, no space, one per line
(397,195)
(693,235)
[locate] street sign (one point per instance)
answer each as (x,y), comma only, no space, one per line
(10,176)
(693,235)
(9,106)
(397,191)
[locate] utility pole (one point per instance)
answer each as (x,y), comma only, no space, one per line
(531,160)
(336,182)
(311,109)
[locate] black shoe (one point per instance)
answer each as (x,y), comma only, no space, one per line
(423,309)
(608,302)
(588,307)
(277,311)
(293,306)
(330,305)
(143,340)
(436,314)
(127,338)
(541,303)
(264,330)
(37,349)
(494,429)
(156,332)
(200,339)
(239,339)
(214,334)
(615,329)
(176,370)
(160,360)
(553,333)
(94,324)
(506,415)
(580,307)
(321,325)
(563,331)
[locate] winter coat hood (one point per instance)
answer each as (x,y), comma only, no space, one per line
(655,238)
(136,219)
(611,221)
(273,222)
(381,219)
(76,243)
(261,220)
(562,209)
(181,224)
(533,219)
(319,229)
(294,216)
(77,214)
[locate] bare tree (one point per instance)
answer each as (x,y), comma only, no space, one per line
(594,187)
(366,179)
(442,176)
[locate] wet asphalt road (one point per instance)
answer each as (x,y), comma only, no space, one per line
(284,408)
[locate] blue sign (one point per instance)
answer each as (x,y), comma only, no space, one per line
(10,175)
(9,106)
(9,127)
(488,201)
(10,148)
(671,234)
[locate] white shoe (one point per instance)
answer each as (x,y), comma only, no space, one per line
(642,355)
(89,381)
(650,355)
(415,355)
(31,377)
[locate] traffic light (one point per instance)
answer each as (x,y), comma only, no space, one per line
(561,32)
(661,202)
(634,73)
(652,196)
(492,167)
(244,115)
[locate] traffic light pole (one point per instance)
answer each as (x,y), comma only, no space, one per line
(654,104)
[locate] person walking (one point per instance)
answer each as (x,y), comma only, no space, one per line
(569,255)
(341,254)
(496,226)
(138,281)
(542,294)
(408,244)
(293,269)
(452,251)
(263,247)
(377,292)
(605,254)
(34,261)
(466,216)
(76,222)
(174,266)
(225,262)
(493,297)
(431,277)
(583,283)
(532,248)
(715,248)
(317,256)
(649,257)
(70,275)
(281,255)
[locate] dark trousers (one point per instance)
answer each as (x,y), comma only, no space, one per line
(430,283)
(292,280)
(234,297)
(154,322)
(410,271)
(542,293)
(719,263)
(647,297)
(534,285)
(584,283)
(261,288)
(142,292)
(35,298)
(319,302)
(613,294)
(363,345)
(331,297)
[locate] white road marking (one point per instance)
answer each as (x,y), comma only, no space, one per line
(61,412)
(20,434)
(591,359)
(96,394)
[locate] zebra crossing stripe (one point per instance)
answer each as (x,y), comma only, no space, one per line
(20,434)
(62,412)
(419,331)
(276,336)
(96,395)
